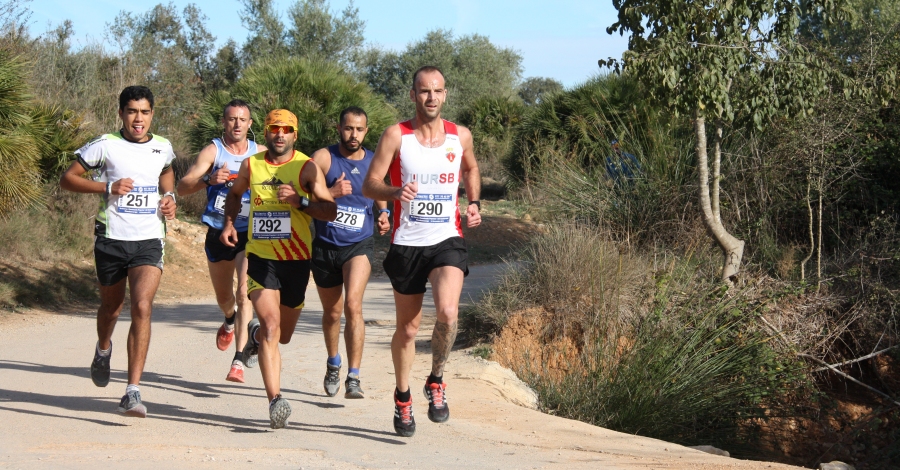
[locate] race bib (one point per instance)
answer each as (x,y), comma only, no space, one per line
(272,225)
(349,218)
(431,208)
(141,200)
(219,205)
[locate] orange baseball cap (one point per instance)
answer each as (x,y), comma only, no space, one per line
(281,117)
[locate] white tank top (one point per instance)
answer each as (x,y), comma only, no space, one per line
(434,214)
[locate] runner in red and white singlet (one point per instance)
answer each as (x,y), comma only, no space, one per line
(427,158)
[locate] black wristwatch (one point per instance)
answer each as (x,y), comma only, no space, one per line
(205,179)
(304,203)
(477,204)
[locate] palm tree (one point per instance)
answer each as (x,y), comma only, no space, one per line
(20,175)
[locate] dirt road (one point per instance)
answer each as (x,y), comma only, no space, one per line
(52,416)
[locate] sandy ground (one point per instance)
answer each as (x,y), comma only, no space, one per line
(53,416)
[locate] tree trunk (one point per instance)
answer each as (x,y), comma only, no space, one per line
(812,239)
(717,172)
(732,248)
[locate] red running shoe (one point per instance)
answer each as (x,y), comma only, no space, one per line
(224,338)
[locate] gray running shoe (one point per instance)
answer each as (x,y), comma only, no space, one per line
(279,411)
(100,368)
(332,380)
(250,354)
(131,405)
(352,388)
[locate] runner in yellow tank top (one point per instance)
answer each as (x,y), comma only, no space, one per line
(286,190)
(276,231)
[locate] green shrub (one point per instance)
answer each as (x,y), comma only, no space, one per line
(315,90)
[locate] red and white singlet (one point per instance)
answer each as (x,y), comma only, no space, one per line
(434,214)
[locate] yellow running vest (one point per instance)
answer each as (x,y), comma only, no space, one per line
(277,231)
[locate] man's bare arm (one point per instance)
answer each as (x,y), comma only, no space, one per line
(191,182)
(471,177)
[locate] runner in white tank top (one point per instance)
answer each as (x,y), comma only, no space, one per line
(427,157)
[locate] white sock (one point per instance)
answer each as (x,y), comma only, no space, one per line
(104,352)
(132,388)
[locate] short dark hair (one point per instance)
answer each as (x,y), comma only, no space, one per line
(237,103)
(135,93)
(354,110)
(426,69)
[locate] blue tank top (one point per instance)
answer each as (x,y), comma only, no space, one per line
(214,216)
(355,220)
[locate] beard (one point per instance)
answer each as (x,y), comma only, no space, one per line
(351,145)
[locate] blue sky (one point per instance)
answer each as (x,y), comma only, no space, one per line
(561,39)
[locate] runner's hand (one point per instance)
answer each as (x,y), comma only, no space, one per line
(167,207)
(221,175)
(122,186)
(473,216)
(229,236)
(287,193)
(341,187)
(384,223)
(408,191)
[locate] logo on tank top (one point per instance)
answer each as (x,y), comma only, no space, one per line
(450,155)
(355,171)
(271,183)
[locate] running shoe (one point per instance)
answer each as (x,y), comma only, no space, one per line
(100,368)
(352,388)
(332,380)
(236,374)
(404,422)
(438,409)
(279,411)
(250,354)
(131,405)
(224,338)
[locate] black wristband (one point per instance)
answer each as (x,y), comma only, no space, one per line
(477,203)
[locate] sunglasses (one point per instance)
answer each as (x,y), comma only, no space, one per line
(273,129)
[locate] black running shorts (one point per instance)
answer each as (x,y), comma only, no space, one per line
(290,277)
(114,257)
(217,251)
(328,260)
(408,267)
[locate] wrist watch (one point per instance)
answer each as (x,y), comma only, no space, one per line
(205,179)
(304,203)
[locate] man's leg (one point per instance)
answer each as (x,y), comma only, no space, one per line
(403,343)
(221,273)
(268,312)
(332,307)
(244,306)
(112,299)
(356,276)
(446,285)
(143,281)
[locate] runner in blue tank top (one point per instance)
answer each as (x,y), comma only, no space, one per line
(216,167)
(343,248)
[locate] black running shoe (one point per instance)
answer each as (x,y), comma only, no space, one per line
(353,390)
(131,405)
(332,380)
(438,409)
(404,422)
(250,354)
(279,411)
(100,368)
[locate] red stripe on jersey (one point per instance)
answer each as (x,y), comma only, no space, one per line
(287,252)
(277,254)
(450,128)
(458,218)
(396,176)
(406,127)
(301,248)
